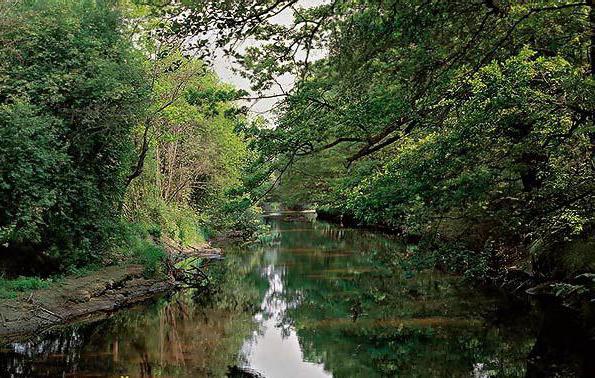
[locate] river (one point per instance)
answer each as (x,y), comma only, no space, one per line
(316,301)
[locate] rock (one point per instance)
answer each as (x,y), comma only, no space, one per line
(85,296)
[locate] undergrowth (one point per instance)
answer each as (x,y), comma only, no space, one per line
(10,288)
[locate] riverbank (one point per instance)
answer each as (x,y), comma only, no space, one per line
(79,298)
(76,298)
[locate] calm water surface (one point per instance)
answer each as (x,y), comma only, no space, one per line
(319,301)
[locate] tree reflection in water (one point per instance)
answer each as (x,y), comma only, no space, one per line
(317,301)
(184,335)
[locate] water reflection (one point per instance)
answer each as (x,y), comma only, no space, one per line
(319,301)
(191,334)
(274,349)
(355,311)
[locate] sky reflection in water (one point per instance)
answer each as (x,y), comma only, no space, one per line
(319,301)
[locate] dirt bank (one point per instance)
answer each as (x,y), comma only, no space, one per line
(80,298)
(76,298)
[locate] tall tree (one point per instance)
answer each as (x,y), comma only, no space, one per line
(71,90)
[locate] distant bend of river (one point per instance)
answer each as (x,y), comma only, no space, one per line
(317,301)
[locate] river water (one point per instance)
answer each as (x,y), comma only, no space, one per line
(317,301)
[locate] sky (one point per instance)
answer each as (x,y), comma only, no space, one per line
(223,66)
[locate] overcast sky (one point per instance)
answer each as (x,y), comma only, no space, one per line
(224,67)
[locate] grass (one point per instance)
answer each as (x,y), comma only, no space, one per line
(84,270)
(10,288)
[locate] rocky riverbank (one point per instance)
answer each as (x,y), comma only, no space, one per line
(91,296)
(77,298)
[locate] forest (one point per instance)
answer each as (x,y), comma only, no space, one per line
(462,128)
(109,136)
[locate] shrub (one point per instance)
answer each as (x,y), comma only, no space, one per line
(137,243)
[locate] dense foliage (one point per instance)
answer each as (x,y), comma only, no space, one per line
(463,122)
(71,89)
(110,138)
(464,126)
(470,122)
(194,157)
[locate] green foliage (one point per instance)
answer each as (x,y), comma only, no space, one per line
(136,242)
(151,256)
(195,160)
(71,90)
(236,214)
(457,258)
(498,162)
(10,288)
(31,148)
(465,123)
(448,120)
(84,112)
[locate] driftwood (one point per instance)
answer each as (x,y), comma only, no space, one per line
(197,261)
(39,307)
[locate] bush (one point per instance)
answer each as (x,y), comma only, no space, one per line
(136,242)
(152,257)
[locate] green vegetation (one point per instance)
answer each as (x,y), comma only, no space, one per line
(468,125)
(194,158)
(465,126)
(72,88)
(111,140)
(10,288)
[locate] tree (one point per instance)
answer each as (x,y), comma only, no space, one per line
(452,118)
(72,89)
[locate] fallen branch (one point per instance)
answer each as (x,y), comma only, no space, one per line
(50,312)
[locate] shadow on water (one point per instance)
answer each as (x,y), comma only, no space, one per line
(563,346)
(319,301)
